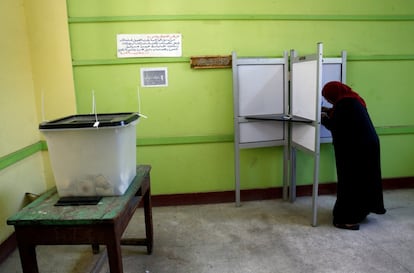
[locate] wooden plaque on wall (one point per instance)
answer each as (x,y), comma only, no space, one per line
(201,62)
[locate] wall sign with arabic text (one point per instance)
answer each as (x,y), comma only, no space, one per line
(149,45)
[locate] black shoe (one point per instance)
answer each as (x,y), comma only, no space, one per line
(347,226)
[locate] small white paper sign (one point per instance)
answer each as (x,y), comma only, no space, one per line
(154,77)
(148,45)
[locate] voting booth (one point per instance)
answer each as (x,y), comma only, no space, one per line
(306,101)
(309,74)
(268,111)
(260,88)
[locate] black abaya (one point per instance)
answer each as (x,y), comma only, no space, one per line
(357,155)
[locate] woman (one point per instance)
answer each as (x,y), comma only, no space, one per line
(357,156)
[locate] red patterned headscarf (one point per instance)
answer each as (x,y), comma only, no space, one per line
(335,91)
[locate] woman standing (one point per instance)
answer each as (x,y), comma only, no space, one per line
(357,155)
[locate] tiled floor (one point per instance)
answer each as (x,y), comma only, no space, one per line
(260,236)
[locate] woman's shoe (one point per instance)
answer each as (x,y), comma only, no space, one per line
(347,226)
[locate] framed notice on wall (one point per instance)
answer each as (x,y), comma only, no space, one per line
(154,77)
(148,45)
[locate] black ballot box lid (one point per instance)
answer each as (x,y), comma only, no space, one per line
(89,121)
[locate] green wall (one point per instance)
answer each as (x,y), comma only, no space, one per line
(188,135)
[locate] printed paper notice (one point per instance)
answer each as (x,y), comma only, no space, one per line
(148,45)
(154,77)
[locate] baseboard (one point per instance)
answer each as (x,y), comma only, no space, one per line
(262,194)
(398,183)
(9,245)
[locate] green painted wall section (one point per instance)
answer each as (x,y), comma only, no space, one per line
(79,8)
(188,135)
(252,38)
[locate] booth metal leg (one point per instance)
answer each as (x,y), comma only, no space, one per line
(292,186)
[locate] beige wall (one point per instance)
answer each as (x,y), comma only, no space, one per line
(50,53)
(35,59)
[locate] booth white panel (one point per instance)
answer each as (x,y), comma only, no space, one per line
(330,72)
(304,89)
(261,89)
(304,135)
(261,131)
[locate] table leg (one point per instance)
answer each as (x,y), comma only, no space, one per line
(95,248)
(149,231)
(28,258)
(113,249)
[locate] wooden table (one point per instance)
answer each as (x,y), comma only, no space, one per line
(43,223)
